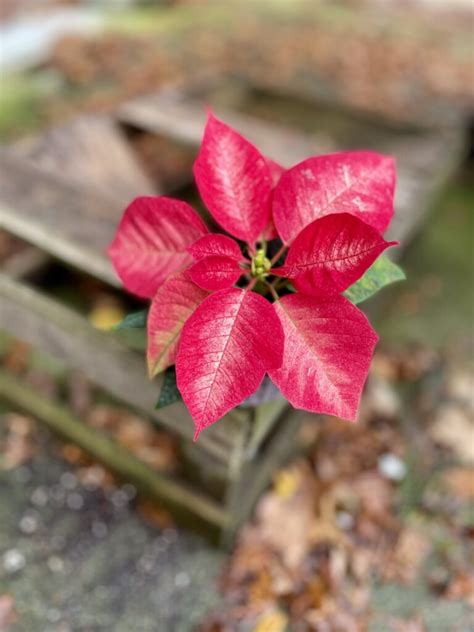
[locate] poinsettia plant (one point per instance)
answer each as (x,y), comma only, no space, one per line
(275,294)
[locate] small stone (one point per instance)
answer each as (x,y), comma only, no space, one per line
(55,564)
(99,529)
(145,565)
(53,615)
(119,498)
(23,474)
(13,561)
(75,501)
(58,542)
(92,477)
(29,523)
(58,494)
(160,545)
(68,480)
(182,580)
(39,497)
(170,535)
(392,467)
(129,490)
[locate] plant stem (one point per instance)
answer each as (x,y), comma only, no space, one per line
(279,283)
(252,284)
(272,289)
(278,254)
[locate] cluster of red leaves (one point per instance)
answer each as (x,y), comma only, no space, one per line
(209,315)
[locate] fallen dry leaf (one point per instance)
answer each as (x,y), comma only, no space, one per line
(407,625)
(18,445)
(462,587)
(8,616)
(453,428)
(154,514)
(106,313)
(460,481)
(17,356)
(411,549)
(285,520)
(272,621)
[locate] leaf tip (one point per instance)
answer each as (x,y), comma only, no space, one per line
(150,369)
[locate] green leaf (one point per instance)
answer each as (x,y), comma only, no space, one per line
(136,320)
(381,273)
(169,393)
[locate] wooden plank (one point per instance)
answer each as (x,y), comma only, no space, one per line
(68,222)
(57,330)
(66,190)
(174,495)
(424,160)
(91,152)
(172,114)
(424,165)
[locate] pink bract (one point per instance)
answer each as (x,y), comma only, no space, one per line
(151,242)
(328,348)
(208,315)
(215,272)
(234,181)
(233,338)
(216,244)
(331,253)
(172,305)
(361,183)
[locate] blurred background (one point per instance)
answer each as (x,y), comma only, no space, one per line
(371,526)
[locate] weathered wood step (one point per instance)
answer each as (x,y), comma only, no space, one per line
(171,493)
(92,152)
(57,330)
(425,158)
(64,219)
(173,114)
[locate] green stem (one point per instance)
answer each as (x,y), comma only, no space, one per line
(278,254)
(272,289)
(252,284)
(279,283)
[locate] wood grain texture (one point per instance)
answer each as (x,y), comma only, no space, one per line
(425,159)
(172,114)
(57,330)
(92,152)
(65,220)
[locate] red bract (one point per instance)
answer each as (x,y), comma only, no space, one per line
(215,244)
(151,242)
(331,253)
(233,338)
(171,306)
(234,181)
(216,310)
(215,273)
(328,348)
(361,183)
